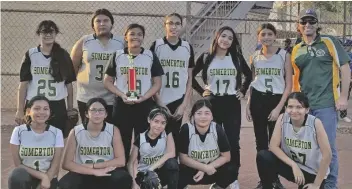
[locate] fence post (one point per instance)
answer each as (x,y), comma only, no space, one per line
(345,20)
(188,19)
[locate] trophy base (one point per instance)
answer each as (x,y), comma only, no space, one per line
(132,98)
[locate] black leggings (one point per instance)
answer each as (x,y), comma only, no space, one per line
(128,117)
(227,112)
(119,178)
(21,179)
(261,105)
(82,107)
(175,125)
(269,167)
(223,177)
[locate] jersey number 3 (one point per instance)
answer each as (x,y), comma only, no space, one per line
(100,69)
(43,85)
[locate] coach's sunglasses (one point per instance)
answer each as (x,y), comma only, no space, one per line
(311,22)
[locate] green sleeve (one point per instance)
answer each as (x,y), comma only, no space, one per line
(342,54)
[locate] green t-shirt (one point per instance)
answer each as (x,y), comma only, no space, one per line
(318,69)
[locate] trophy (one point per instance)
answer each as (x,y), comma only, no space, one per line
(132,94)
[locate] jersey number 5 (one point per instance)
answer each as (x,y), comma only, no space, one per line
(46,84)
(268,84)
(174,77)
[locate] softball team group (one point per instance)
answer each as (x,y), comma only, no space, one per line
(101,151)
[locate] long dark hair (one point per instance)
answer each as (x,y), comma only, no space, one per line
(61,63)
(102,12)
(158,111)
(89,103)
(27,118)
(300,97)
(198,105)
(234,50)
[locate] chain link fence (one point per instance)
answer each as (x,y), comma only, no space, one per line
(20,19)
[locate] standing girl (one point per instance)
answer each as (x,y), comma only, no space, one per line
(272,83)
(129,115)
(47,70)
(90,55)
(36,149)
(177,59)
(222,70)
(155,151)
(299,148)
(205,150)
(94,153)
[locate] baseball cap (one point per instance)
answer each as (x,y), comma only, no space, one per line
(308,13)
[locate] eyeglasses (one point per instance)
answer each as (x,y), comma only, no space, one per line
(173,23)
(100,111)
(311,22)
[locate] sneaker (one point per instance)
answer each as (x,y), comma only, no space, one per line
(347,119)
(277,184)
(235,185)
(214,186)
(259,186)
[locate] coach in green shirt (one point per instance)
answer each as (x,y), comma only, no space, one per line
(318,62)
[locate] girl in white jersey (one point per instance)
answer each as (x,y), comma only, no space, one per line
(94,154)
(90,55)
(177,59)
(129,115)
(272,83)
(204,150)
(222,70)
(36,149)
(154,150)
(47,70)
(299,148)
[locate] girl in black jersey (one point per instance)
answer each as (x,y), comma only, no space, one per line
(129,115)
(154,150)
(47,70)
(177,59)
(222,70)
(205,150)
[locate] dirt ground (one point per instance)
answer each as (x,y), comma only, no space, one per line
(248,176)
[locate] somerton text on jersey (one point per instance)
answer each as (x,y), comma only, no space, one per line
(206,154)
(139,70)
(101,56)
(40,152)
(267,71)
(151,160)
(173,63)
(298,143)
(41,70)
(223,71)
(101,151)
